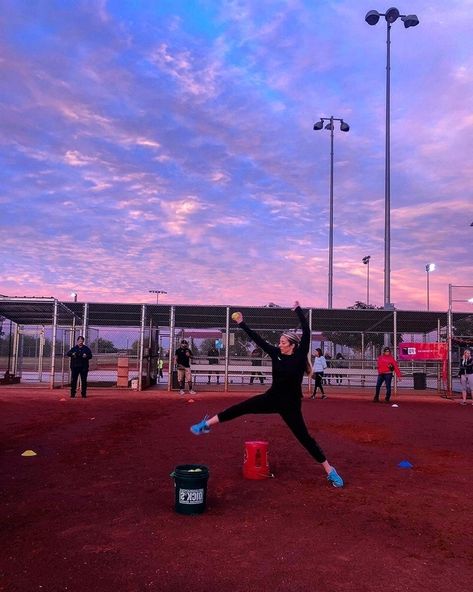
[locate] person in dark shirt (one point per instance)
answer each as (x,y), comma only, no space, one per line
(339,364)
(182,359)
(212,357)
(465,372)
(256,360)
(80,355)
(289,364)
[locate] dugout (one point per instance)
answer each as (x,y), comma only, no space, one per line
(35,334)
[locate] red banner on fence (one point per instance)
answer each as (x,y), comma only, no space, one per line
(425,351)
(422,351)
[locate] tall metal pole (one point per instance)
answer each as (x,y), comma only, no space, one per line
(330,241)
(141,347)
(368,283)
(344,127)
(53,345)
(387,177)
(411,20)
(428,303)
(449,341)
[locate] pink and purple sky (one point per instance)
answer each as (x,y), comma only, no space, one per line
(169,145)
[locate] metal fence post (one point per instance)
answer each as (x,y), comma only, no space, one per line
(16,346)
(309,381)
(395,346)
(172,329)
(141,347)
(41,354)
(53,346)
(449,340)
(85,322)
(227,347)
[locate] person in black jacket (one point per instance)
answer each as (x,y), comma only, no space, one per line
(212,358)
(465,373)
(182,359)
(289,364)
(80,355)
(257,360)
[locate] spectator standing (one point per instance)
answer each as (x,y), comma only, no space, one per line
(386,366)
(257,360)
(320,363)
(212,358)
(338,363)
(160,368)
(182,359)
(465,373)
(80,355)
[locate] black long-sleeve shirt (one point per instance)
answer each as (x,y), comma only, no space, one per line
(466,366)
(78,360)
(287,370)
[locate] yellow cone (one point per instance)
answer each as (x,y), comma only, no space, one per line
(29,453)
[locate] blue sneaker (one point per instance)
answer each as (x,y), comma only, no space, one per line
(334,478)
(201,427)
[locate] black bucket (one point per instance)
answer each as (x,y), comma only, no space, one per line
(190,483)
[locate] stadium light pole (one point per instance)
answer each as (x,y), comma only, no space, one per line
(344,127)
(74,296)
(428,269)
(366,261)
(410,20)
(157,292)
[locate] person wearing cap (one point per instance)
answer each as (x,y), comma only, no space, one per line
(182,359)
(386,366)
(80,355)
(465,372)
(289,364)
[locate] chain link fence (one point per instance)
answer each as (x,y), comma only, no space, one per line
(134,345)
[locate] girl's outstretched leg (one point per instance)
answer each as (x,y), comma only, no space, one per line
(256,404)
(295,422)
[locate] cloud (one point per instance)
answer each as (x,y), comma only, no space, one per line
(178,144)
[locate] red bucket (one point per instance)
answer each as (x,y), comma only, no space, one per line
(255,461)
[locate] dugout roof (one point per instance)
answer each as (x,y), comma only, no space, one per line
(35,311)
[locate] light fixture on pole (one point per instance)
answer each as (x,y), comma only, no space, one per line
(428,269)
(74,296)
(410,20)
(344,127)
(366,261)
(157,292)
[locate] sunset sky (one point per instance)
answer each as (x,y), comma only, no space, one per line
(169,144)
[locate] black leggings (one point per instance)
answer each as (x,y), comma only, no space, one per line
(318,383)
(75,373)
(290,412)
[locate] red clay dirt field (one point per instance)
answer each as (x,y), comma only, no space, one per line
(94,509)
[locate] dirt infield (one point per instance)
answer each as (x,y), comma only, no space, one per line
(94,510)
